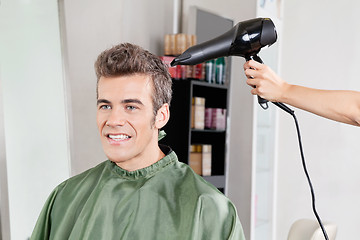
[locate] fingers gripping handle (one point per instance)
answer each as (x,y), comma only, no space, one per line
(263,102)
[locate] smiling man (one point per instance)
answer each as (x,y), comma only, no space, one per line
(125,118)
(142,191)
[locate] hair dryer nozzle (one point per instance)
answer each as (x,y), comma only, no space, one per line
(214,48)
(180,59)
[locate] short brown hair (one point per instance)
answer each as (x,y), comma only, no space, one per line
(127,59)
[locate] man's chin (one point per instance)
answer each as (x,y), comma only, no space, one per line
(116,160)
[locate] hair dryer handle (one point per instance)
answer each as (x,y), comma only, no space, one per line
(263,102)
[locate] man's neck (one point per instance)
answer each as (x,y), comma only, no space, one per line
(142,161)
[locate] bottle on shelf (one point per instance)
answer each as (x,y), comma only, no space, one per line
(198,113)
(176,44)
(215,118)
(200,159)
(220,70)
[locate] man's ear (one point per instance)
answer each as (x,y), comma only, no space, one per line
(162,116)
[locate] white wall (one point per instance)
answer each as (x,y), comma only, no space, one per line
(37,153)
(4,196)
(320,49)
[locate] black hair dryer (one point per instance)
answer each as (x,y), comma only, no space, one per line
(245,39)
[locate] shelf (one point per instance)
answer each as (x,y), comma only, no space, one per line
(212,85)
(207,131)
(216,96)
(208,136)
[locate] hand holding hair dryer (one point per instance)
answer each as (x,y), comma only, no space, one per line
(245,39)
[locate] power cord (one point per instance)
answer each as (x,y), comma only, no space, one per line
(292,113)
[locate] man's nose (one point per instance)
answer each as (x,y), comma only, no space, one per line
(116,118)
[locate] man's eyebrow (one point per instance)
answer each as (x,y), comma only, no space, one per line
(100,101)
(132,100)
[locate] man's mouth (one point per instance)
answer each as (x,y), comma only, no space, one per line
(118,137)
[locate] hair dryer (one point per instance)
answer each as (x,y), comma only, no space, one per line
(245,39)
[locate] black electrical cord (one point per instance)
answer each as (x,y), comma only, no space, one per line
(292,113)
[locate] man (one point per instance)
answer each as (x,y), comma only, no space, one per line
(142,191)
(338,105)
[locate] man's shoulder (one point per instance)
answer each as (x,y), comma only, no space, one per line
(205,196)
(87,177)
(197,184)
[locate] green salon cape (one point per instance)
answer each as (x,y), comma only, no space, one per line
(164,201)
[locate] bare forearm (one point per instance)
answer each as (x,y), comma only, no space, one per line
(338,105)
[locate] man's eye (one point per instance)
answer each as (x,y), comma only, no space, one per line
(105,107)
(131,108)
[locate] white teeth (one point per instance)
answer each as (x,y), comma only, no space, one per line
(118,137)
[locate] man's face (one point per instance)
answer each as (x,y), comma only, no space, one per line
(125,119)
